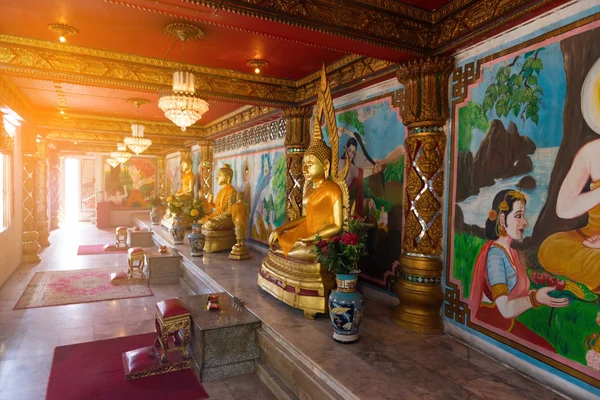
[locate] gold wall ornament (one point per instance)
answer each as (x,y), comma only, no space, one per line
(183,31)
(30,245)
(7,143)
(426,85)
(162,179)
(205,186)
(41,199)
(297,138)
(54,188)
(13,98)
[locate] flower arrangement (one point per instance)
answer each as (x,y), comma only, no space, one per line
(341,253)
(182,207)
(156,202)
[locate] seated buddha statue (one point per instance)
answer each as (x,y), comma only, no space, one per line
(218,225)
(290,272)
(187,179)
(323,207)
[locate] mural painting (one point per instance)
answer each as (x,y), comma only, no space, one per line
(260,176)
(373,137)
(131,184)
(173,173)
(526,242)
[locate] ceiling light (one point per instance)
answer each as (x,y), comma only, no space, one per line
(258,64)
(112,162)
(181,105)
(137,142)
(121,155)
(62,30)
(62,111)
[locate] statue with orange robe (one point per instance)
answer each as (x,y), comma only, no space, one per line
(220,217)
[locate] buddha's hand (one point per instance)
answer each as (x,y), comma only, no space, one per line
(308,241)
(273,237)
(541,296)
(592,242)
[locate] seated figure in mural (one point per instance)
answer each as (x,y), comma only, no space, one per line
(220,213)
(576,254)
(322,202)
(500,290)
(187,179)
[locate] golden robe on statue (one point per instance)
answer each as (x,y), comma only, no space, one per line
(319,205)
(563,253)
(222,203)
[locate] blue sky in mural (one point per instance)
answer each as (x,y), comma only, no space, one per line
(382,126)
(552,79)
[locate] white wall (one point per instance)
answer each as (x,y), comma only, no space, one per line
(10,239)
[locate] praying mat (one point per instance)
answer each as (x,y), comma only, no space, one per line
(55,288)
(94,371)
(93,249)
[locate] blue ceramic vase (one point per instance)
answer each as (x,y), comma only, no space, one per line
(346,308)
(196,239)
(177,230)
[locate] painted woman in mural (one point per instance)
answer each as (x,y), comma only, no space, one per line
(266,174)
(356,174)
(576,254)
(142,174)
(500,290)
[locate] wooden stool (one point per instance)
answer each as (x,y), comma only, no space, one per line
(171,318)
(136,258)
(121,234)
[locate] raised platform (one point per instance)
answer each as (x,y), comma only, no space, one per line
(300,360)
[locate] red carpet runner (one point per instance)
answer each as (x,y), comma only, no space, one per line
(94,371)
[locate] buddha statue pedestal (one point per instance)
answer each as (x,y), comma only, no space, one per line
(301,285)
(218,240)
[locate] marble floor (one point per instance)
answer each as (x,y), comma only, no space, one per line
(388,362)
(28,337)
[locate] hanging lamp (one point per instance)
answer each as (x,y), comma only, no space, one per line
(137,142)
(121,155)
(181,105)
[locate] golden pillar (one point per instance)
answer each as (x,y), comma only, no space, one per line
(54,189)
(162,178)
(206,167)
(297,138)
(41,195)
(425,114)
(31,246)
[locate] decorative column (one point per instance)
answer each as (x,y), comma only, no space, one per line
(31,247)
(297,138)
(54,189)
(206,162)
(162,178)
(41,195)
(425,113)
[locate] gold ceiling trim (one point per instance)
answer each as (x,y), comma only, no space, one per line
(13,98)
(80,136)
(240,118)
(135,59)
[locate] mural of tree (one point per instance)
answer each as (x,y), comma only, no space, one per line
(279,190)
(471,117)
(349,120)
(517,92)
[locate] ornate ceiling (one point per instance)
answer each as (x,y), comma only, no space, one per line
(120,52)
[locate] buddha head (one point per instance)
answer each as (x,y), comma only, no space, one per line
(317,161)
(225,175)
(186,164)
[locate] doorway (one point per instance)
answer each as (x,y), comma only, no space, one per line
(71,190)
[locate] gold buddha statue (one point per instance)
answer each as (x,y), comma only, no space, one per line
(239,215)
(289,272)
(187,179)
(218,226)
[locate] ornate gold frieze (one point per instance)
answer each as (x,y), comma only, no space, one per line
(426,84)
(259,133)
(236,119)
(297,138)
(11,96)
(82,136)
(7,143)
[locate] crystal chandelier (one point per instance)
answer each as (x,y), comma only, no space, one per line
(137,142)
(121,155)
(182,106)
(112,162)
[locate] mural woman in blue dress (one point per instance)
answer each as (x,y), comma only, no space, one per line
(500,290)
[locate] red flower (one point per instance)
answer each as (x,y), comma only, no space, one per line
(350,239)
(322,244)
(335,239)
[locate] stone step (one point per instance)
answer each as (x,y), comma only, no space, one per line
(289,369)
(272,381)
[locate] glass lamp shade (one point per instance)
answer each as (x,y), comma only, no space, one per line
(137,142)
(112,162)
(182,106)
(121,155)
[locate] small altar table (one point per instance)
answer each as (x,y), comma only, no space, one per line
(163,268)
(223,342)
